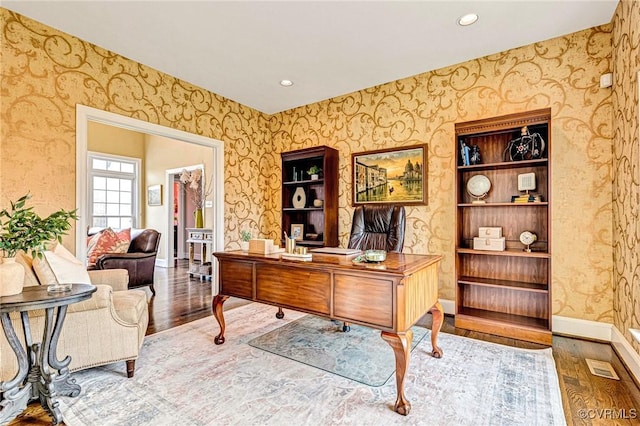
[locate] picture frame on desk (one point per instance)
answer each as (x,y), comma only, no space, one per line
(390,176)
(297,231)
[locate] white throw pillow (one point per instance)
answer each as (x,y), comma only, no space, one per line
(60,267)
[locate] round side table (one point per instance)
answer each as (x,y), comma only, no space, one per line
(40,374)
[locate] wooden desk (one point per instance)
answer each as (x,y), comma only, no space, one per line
(390,296)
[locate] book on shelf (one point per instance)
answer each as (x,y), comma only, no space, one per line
(526,198)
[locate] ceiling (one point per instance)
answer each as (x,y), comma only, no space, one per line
(242,49)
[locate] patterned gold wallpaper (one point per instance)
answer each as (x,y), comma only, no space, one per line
(626,168)
(46,72)
(562,74)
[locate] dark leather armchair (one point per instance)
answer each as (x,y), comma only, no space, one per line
(378,227)
(140,260)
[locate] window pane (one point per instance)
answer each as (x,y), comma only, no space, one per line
(100,196)
(125,222)
(125,209)
(113,222)
(113,184)
(99,209)
(100,221)
(128,168)
(125,185)
(113,196)
(126,198)
(99,164)
(99,182)
(113,209)
(113,166)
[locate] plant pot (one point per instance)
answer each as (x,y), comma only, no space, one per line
(11,277)
(315,177)
(244,245)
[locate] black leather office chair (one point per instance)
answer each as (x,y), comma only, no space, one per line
(377,227)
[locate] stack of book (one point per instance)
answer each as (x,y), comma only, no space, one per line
(526,198)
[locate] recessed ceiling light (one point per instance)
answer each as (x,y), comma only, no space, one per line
(286,83)
(467,19)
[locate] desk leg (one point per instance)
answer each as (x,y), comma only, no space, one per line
(216,306)
(401,344)
(437,314)
(15,392)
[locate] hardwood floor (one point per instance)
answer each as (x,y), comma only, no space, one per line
(600,401)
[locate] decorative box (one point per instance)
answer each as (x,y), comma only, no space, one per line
(261,246)
(490,232)
(492,244)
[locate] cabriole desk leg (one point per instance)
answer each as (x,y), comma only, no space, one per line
(216,306)
(437,314)
(401,344)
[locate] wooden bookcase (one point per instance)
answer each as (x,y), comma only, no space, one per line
(506,293)
(320,220)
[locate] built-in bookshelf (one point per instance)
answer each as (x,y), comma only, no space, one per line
(310,203)
(507,291)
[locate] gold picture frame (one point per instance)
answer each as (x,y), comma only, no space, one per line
(390,176)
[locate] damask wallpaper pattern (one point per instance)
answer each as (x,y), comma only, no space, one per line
(45,72)
(626,168)
(563,74)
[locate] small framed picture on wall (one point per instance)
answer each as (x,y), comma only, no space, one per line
(154,195)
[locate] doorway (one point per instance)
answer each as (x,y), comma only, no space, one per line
(84,115)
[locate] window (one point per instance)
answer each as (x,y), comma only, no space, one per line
(113,194)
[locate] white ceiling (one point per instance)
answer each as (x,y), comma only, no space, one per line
(242,49)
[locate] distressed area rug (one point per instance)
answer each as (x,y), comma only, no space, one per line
(183,378)
(359,355)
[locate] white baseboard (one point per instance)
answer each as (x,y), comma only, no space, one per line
(582,328)
(449,306)
(624,349)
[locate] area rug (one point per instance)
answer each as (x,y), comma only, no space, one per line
(183,378)
(359,355)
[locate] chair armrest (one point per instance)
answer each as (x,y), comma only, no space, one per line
(113,258)
(118,279)
(99,300)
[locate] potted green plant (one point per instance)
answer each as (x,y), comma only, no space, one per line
(245,236)
(314,171)
(23,229)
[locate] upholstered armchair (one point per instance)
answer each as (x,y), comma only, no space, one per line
(139,260)
(107,328)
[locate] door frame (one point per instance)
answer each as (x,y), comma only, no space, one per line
(85,114)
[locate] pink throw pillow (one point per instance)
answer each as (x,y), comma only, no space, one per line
(108,241)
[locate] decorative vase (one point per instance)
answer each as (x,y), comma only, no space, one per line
(11,277)
(299,198)
(199,218)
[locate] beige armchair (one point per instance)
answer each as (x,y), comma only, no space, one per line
(107,328)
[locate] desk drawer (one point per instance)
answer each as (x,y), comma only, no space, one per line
(236,279)
(364,299)
(308,290)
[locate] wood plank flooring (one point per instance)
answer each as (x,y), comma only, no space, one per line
(587,399)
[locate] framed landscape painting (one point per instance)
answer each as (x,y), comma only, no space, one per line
(390,176)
